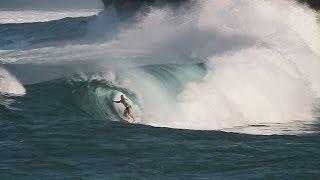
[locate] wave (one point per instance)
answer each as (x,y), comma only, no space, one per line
(47,5)
(37,35)
(146,87)
(32,16)
(150,89)
(206,65)
(9,84)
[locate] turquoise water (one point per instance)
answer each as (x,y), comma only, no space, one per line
(217,92)
(45,135)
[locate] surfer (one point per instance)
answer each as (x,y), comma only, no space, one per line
(128,111)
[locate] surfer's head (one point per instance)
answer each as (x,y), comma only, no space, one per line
(122,97)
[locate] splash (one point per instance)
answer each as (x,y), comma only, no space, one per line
(9,84)
(262,65)
(261,61)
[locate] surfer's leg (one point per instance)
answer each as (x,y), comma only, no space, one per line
(130,113)
(125,113)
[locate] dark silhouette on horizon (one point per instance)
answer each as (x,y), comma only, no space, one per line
(312,3)
(136,4)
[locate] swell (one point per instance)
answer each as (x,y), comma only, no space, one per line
(77,30)
(93,93)
(70,31)
(42,34)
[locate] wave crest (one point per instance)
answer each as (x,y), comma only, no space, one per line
(9,84)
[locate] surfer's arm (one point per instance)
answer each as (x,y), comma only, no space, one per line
(117,101)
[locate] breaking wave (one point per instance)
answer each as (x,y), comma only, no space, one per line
(200,65)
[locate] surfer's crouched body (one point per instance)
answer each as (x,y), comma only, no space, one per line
(128,111)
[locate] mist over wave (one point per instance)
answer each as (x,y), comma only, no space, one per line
(219,89)
(200,65)
(9,84)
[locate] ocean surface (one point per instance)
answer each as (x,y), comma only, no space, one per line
(219,90)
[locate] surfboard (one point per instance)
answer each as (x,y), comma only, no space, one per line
(131,120)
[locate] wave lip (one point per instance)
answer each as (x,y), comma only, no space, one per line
(9,84)
(260,60)
(10,17)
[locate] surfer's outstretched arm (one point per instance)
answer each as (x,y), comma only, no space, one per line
(117,101)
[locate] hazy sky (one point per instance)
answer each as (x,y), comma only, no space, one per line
(49,4)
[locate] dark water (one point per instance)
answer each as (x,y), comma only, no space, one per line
(76,147)
(66,127)
(47,137)
(80,148)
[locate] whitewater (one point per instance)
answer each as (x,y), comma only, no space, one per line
(29,16)
(205,65)
(219,89)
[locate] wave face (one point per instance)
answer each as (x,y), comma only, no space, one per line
(151,87)
(208,65)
